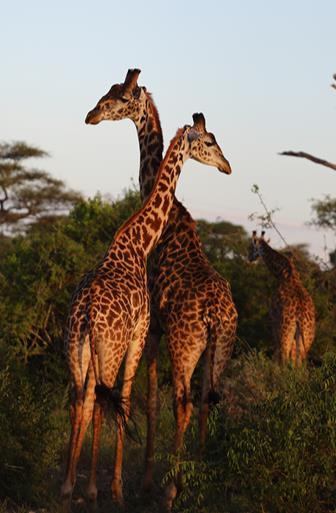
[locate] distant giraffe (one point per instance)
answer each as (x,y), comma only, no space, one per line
(191,302)
(292,311)
(109,315)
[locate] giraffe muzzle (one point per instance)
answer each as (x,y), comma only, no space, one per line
(93,117)
(225,167)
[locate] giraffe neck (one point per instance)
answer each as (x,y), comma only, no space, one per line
(143,230)
(279,265)
(151,146)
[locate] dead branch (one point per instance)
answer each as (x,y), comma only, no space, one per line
(305,155)
(334,84)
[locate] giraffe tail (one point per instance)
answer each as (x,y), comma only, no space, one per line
(115,409)
(300,346)
(110,399)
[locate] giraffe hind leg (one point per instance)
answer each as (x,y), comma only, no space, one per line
(134,354)
(80,417)
(151,351)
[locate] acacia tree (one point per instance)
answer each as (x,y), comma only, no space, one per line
(28,196)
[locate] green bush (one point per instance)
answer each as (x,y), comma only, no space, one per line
(272,442)
(31,436)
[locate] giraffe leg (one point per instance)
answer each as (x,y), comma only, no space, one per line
(183,409)
(76,410)
(97,418)
(134,353)
(204,408)
(287,341)
(151,351)
(80,416)
(218,353)
(183,368)
(97,424)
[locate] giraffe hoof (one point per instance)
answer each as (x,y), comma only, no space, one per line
(66,497)
(65,506)
(146,485)
(117,495)
(170,495)
(91,495)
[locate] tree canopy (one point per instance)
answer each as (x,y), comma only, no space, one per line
(27,195)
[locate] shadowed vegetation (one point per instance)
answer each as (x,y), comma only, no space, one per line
(272,438)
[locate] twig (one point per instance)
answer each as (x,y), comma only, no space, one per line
(305,155)
(255,189)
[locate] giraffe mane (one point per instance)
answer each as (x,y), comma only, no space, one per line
(131,219)
(154,111)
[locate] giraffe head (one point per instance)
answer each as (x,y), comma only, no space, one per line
(281,265)
(202,145)
(255,248)
(126,100)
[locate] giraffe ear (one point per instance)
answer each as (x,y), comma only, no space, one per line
(193,135)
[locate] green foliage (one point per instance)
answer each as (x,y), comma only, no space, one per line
(325,213)
(30,441)
(93,222)
(37,276)
(38,273)
(272,441)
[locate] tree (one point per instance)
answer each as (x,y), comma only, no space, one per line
(28,196)
(325,213)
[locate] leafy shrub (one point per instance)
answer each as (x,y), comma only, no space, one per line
(272,441)
(30,441)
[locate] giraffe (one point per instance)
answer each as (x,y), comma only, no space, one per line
(292,310)
(109,314)
(190,302)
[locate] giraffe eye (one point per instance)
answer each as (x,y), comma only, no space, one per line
(208,143)
(123,99)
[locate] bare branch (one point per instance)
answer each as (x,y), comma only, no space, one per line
(334,84)
(305,155)
(267,220)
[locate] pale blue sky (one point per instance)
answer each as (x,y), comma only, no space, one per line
(260,71)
